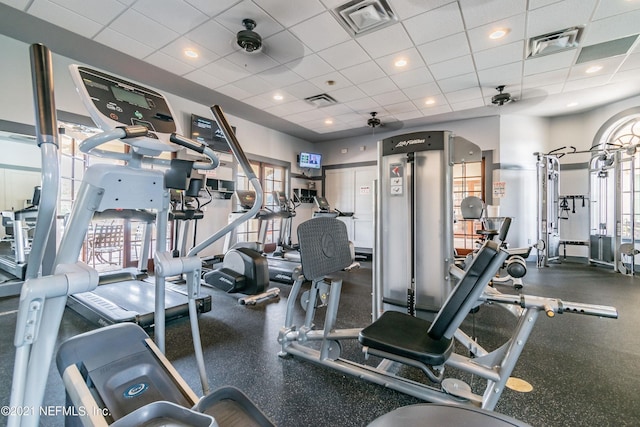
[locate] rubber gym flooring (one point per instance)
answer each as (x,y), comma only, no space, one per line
(585,371)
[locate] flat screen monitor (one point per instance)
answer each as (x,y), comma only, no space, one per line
(310,161)
(206,130)
(322,203)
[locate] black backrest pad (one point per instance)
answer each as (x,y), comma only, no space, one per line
(504,229)
(463,290)
(324,247)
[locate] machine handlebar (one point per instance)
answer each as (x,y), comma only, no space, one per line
(553,306)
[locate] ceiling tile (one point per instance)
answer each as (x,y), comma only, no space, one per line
(452,67)
(558,16)
(409,115)
(339,81)
(499,55)
(412,78)
(225,70)
(336,110)
(363,72)
(508,75)
(330,4)
(539,93)
(232,19)
(176,15)
(123,43)
(612,28)
(344,55)
(252,62)
(423,91)
(609,66)
(479,36)
(280,76)
(303,90)
(166,62)
(385,41)
(212,8)
(305,116)
(291,12)
(458,83)
(364,105)
(434,101)
(407,9)
(610,8)
(585,83)
(445,48)
(310,66)
(466,105)
(266,100)
(135,25)
(632,62)
(435,24)
(552,62)
(177,48)
(411,56)
(233,91)
(388,98)
(433,111)
(477,13)
(320,32)
(346,94)
(284,47)
(254,85)
(535,4)
(463,95)
(215,37)
(65,18)
(547,78)
(205,79)
(400,107)
(378,86)
(102,12)
(290,108)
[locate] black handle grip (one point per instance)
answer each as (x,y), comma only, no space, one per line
(134,131)
(43,97)
(187,143)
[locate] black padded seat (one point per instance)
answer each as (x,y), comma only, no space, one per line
(431,343)
(406,336)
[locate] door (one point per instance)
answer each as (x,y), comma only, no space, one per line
(350,190)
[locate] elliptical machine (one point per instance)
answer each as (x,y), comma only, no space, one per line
(244,270)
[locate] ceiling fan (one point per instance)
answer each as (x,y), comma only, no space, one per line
(374,122)
(258,54)
(501,97)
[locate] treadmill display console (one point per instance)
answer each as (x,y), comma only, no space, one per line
(114,102)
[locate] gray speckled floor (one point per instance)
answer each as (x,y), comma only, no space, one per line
(585,371)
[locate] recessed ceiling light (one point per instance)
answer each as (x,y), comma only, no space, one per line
(400,62)
(593,69)
(278,97)
(430,101)
(499,33)
(572,104)
(191,53)
(328,122)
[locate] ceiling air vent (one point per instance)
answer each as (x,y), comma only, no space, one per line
(554,42)
(606,49)
(322,100)
(362,16)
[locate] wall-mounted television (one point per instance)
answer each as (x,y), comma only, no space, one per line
(309,160)
(204,129)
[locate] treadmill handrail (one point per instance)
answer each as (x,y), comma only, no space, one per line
(240,156)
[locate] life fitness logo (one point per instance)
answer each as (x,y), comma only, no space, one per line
(135,390)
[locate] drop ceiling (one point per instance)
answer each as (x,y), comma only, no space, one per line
(451,65)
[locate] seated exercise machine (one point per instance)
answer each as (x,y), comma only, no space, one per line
(287,211)
(116,359)
(515,266)
(399,338)
(244,269)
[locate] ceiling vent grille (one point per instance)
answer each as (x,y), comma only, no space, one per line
(322,100)
(363,16)
(557,41)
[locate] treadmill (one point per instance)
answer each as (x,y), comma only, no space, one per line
(128,295)
(129,190)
